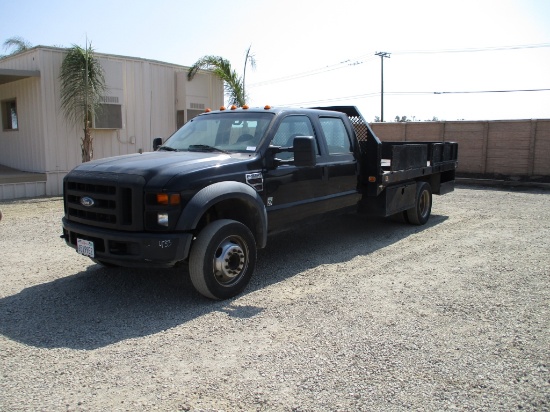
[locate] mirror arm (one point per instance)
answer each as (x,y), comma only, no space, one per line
(274,162)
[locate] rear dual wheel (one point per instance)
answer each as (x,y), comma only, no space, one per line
(420,213)
(222,259)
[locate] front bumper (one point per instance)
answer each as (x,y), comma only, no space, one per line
(131,249)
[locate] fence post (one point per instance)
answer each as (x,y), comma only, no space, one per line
(532,147)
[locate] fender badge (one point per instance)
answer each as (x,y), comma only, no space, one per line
(256,180)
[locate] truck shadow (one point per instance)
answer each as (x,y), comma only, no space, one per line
(102,306)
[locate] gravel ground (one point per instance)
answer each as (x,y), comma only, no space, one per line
(355,314)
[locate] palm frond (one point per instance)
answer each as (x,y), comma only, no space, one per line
(18,44)
(221,68)
(249,58)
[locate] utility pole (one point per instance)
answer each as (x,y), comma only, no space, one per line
(382,55)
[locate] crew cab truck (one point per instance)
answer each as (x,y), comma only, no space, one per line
(210,195)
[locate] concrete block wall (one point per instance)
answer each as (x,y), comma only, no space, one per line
(512,148)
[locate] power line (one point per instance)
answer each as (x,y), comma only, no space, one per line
(359,96)
(334,99)
(337,66)
(495,91)
(474,50)
(360,60)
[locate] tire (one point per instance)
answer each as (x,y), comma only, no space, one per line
(222,259)
(400,217)
(420,214)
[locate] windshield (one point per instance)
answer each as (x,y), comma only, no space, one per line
(225,132)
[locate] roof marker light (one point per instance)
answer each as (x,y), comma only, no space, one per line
(245,107)
(267,107)
(208,110)
(222,108)
(233,107)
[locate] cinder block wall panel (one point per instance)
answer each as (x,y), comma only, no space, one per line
(429,132)
(509,148)
(541,159)
(390,132)
(470,137)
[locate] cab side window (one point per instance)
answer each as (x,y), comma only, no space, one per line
(289,128)
(337,137)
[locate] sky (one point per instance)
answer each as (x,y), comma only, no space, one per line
(446,58)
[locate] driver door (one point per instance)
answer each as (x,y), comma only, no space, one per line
(293,193)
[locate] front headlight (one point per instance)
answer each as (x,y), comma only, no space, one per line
(162,219)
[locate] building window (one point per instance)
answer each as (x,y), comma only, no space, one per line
(9,115)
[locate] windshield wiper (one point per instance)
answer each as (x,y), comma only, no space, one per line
(206,148)
(167,148)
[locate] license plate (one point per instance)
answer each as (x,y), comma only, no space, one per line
(85,247)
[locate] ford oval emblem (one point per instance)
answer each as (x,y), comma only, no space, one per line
(87,201)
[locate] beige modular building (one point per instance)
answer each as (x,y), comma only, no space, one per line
(144,99)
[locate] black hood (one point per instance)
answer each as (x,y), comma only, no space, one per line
(158,168)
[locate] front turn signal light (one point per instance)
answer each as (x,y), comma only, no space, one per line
(171,199)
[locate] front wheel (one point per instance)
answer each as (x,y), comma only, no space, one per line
(222,259)
(420,214)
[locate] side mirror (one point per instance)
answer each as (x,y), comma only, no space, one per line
(157,142)
(305,152)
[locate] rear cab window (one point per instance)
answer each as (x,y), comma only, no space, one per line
(336,135)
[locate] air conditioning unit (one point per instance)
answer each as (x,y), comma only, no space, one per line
(109,114)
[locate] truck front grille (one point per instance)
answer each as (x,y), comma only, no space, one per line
(105,200)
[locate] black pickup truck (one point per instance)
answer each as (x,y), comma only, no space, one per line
(210,195)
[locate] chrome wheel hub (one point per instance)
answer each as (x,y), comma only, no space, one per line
(229,261)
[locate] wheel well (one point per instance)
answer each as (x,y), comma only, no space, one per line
(433,180)
(234,209)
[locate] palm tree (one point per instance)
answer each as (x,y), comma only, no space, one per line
(233,84)
(18,44)
(82,86)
